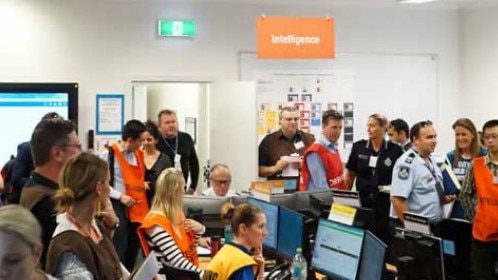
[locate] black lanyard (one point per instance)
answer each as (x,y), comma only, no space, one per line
(169,146)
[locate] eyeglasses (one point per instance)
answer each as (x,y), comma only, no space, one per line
(291,119)
(490,136)
(219,182)
(77,146)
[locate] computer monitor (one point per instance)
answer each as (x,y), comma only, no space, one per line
(207,210)
(24,104)
(271,213)
(365,219)
(290,232)
(337,250)
(291,184)
(456,235)
(284,199)
(303,198)
(210,205)
(417,256)
(373,254)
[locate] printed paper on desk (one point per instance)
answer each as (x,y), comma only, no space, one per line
(342,214)
(149,268)
(417,223)
(350,198)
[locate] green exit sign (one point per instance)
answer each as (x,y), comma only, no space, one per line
(176,28)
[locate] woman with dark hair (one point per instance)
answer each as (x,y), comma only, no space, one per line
(155,160)
(234,261)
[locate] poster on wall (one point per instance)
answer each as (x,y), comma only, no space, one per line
(311,92)
(110,114)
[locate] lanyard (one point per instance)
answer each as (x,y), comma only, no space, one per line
(429,166)
(73,220)
(169,146)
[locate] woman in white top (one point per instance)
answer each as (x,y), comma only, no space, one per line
(81,247)
(20,245)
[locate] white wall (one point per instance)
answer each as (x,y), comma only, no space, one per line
(480,64)
(106,45)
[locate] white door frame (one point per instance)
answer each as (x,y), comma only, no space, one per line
(207,79)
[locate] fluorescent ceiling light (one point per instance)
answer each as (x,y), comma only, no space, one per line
(415,1)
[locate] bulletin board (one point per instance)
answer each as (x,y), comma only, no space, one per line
(358,85)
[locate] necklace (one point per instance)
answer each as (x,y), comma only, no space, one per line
(80,228)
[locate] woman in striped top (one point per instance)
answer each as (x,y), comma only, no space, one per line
(166,230)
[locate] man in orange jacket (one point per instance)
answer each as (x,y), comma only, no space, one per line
(128,193)
(479,196)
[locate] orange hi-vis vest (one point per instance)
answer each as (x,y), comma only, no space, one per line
(183,239)
(485,226)
(134,182)
(332,164)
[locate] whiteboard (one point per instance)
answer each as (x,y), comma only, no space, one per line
(399,86)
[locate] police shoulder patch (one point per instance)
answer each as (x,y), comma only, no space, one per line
(410,158)
(404,172)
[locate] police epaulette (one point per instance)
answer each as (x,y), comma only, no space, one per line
(410,158)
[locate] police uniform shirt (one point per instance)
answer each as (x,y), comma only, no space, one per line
(369,178)
(416,180)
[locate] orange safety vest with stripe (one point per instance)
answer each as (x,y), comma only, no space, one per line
(485,226)
(183,239)
(134,182)
(332,164)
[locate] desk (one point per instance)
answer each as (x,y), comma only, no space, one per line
(204,261)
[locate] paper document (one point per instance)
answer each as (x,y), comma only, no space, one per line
(149,268)
(290,170)
(201,251)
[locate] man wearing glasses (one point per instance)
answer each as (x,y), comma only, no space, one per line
(52,143)
(479,196)
(220,179)
(288,141)
(322,166)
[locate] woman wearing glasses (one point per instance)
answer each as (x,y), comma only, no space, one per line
(166,230)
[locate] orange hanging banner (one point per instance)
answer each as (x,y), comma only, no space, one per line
(295,38)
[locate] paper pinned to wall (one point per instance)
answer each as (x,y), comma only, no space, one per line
(110,114)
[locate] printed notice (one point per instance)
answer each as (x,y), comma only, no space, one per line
(110,113)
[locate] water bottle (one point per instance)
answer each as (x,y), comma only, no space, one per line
(299,268)
(228,233)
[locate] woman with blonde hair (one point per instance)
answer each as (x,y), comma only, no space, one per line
(166,230)
(81,247)
(20,245)
(235,261)
(467,147)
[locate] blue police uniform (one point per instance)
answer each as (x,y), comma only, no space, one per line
(420,182)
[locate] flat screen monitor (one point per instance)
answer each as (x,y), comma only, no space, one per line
(337,250)
(284,199)
(290,232)
(373,255)
(425,251)
(210,205)
(22,105)
(456,235)
(303,198)
(271,213)
(291,184)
